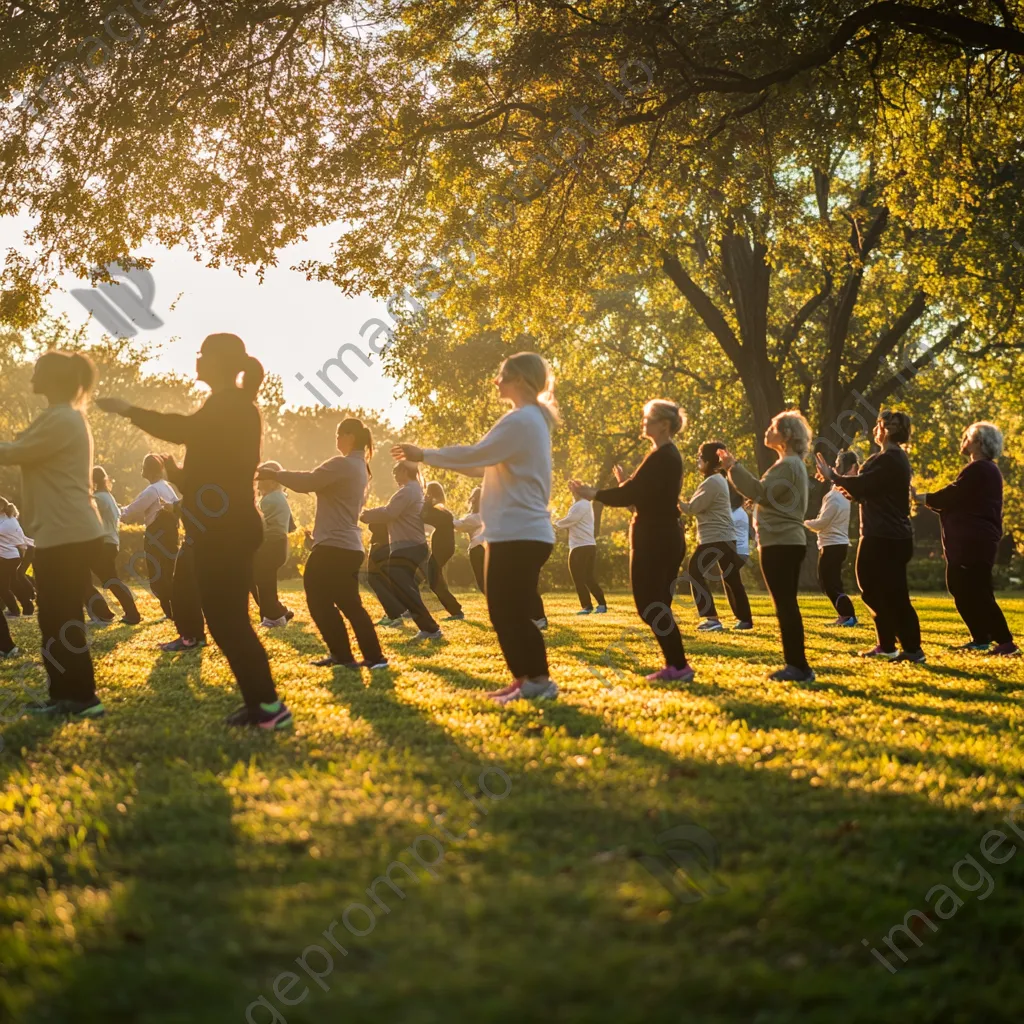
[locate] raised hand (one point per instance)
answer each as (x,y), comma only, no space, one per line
(580,490)
(619,473)
(406,453)
(118,406)
(726,459)
(825,471)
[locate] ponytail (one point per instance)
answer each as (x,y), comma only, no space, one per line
(535,372)
(8,508)
(252,377)
(362,439)
(65,376)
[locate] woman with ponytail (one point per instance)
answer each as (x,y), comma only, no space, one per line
(331,577)
(55,455)
(514,458)
(222,526)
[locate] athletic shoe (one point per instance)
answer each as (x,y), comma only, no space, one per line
(710,626)
(12,653)
(374,665)
(505,690)
(792,674)
(13,615)
(879,652)
(264,716)
(507,695)
(1007,650)
(289,614)
(454,618)
(394,623)
(94,621)
(405,615)
(585,611)
(330,662)
(743,627)
(181,644)
(847,623)
(541,623)
(911,657)
(837,621)
(671,674)
(972,647)
(135,621)
(529,689)
(68,708)
(274,623)
(424,635)
(601,609)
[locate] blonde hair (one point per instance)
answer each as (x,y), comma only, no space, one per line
(535,372)
(794,428)
(664,409)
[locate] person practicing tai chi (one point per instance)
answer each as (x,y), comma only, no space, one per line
(886,538)
(716,544)
(832,526)
(472,524)
(331,577)
(105,567)
(579,521)
(442,548)
(154,509)
(222,450)
(23,590)
(655,539)
(407,547)
(780,504)
(515,460)
(55,454)
(273,552)
(13,545)
(971,515)
(377,575)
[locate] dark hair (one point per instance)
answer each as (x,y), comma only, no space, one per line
(709,455)
(845,461)
(361,437)
(99,479)
(153,464)
(897,425)
(68,376)
(434,492)
(228,352)
(409,469)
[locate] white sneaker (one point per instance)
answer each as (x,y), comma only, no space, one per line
(540,623)
(424,635)
(274,623)
(710,626)
(529,689)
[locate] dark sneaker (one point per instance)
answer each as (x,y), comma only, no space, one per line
(426,635)
(973,646)
(457,617)
(1008,650)
(601,609)
(710,626)
(13,615)
(374,665)
(585,611)
(12,653)
(289,614)
(331,661)
(847,623)
(76,709)
(671,674)
(132,621)
(879,652)
(743,627)
(264,716)
(910,657)
(792,674)
(182,644)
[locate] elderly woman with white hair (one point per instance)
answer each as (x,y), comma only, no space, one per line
(971,513)
(780,504)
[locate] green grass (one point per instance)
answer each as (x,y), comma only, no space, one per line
(159,869)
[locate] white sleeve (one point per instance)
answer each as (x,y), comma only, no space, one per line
(501,442)
(575,515)
(136,511)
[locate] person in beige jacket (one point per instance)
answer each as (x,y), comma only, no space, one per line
(780,504)
(55,455)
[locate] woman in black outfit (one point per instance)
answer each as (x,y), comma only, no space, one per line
(442,547)
(472,524)
(222,450)
(886,538)
(654,538)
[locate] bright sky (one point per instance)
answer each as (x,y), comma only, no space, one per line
(290,324)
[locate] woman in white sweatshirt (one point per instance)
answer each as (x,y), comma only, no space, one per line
(579,521)
(514,458)
(832,525)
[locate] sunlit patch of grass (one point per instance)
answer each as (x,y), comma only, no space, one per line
(157,868)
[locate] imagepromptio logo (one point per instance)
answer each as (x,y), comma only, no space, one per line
(686,867)
(124,306)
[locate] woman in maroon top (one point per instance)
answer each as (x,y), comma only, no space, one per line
(971,512)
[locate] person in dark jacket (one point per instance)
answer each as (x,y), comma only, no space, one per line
(442,547)
(655,542)
(886,538)
(971,514)
(222,525)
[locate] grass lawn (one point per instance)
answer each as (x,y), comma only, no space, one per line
(159,869)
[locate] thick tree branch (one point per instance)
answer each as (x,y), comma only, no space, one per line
(887,343)
(796,325)
(910,370)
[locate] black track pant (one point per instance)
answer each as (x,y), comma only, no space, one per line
(439,585)
(8,567)
(654,555)
(269,558)
(186,600)
(377,580)
(331,580)
(160,544)
(830,578)
(63,577)
(582,568)
(402,571)
(477,556)
(21,586)
(223,571)
(882,578)
(971,589)
(511,579)
(780,565)
(8,571)
(723,554)
(105,568)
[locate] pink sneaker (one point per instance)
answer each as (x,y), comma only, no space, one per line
(514,693)
(670,674)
